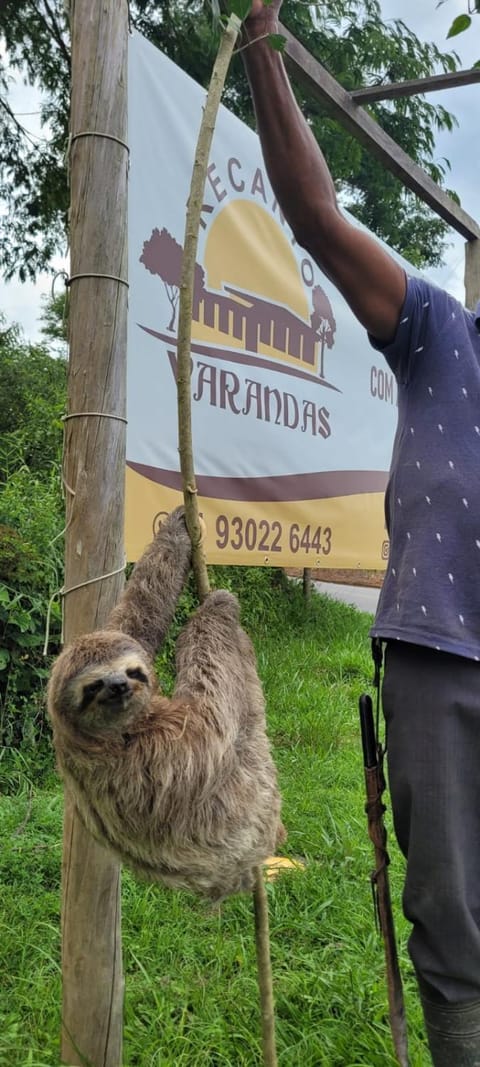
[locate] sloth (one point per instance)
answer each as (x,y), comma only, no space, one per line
(182,790)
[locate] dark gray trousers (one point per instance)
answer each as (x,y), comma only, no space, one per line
(431,702)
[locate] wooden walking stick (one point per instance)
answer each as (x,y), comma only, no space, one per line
(375,808)
(207,127)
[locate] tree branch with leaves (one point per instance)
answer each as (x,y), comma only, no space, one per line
(348,36)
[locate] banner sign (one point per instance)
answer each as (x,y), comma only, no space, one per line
(293,412)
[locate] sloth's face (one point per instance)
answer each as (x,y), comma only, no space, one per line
(109,695)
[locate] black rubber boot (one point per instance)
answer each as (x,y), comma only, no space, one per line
(453,1032)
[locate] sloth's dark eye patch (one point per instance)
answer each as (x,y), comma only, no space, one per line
(90,691)
(92,688)
(137,674)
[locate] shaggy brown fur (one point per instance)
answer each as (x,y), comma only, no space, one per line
(183,790)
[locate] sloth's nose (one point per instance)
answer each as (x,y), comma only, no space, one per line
(117,685)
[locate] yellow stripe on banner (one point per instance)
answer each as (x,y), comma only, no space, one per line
(346,532)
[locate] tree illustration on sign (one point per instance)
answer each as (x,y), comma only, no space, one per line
(323,322)
(162,255)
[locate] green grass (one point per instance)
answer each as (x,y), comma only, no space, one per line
(191,996)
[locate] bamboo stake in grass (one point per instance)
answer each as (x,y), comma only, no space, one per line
(307,582)
(207,127)
(264,966)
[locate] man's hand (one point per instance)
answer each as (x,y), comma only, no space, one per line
(264,16)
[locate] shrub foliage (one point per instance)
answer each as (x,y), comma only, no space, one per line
(31,520)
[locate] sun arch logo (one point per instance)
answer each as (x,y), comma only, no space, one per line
(254,303)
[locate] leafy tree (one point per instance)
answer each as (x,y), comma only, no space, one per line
(31,519)
(162,255)
(33,179)
(54,319)
(323,322)
(32,387)
(348,36)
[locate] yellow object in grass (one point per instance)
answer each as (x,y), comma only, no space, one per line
(275,865)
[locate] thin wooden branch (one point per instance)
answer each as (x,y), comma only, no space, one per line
(264,967)
(192,224)
(54,29)
(184,340)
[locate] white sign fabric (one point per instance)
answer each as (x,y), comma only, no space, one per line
(293,412)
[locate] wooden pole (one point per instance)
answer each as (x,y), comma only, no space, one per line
(432,84)
(307,583)
(94,473)
(472,273)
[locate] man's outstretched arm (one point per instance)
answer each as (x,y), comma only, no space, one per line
(371,281)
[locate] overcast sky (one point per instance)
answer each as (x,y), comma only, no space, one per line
(22,303)
(460,147)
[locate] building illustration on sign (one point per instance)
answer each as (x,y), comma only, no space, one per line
(256,324)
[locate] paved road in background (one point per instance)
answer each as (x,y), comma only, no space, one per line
(361,596)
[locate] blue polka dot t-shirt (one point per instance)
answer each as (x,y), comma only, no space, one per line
(431,592)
